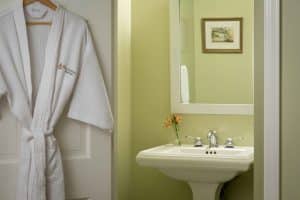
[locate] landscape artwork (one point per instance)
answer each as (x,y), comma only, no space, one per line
(222,35)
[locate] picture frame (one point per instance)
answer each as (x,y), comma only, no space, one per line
(222,35)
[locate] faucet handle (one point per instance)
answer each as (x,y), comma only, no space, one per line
(197,141)
(229,143)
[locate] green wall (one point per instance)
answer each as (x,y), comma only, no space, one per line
(290,96)
(218,75)
(123,97)
(151,104)
(214,77)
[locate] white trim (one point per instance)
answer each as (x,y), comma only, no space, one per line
(217,109)
(192,108)
(272,100)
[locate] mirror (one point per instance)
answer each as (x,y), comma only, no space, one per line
(212,56)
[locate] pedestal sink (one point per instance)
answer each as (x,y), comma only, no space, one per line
(205,170)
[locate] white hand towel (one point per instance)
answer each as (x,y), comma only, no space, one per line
(184,84)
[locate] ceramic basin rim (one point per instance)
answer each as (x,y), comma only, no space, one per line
(195,157)
(247,153)
(159,157)
(229,165)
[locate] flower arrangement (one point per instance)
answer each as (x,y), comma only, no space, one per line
(174,120)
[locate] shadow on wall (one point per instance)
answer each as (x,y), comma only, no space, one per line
(229,190)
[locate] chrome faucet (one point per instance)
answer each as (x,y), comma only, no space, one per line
(212,139)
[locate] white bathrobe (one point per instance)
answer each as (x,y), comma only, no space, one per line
(43,69)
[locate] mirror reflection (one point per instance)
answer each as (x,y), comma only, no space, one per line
(216,51)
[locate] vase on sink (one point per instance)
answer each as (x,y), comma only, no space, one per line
(174,120)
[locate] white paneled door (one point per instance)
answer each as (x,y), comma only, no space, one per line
(87,151)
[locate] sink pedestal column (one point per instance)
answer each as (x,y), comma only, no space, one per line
(205,191)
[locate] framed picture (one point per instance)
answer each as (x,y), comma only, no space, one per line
(222,35)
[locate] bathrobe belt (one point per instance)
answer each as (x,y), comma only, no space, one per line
(38,157)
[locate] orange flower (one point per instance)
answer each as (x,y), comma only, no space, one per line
(168,122)
(178,119)
(172,119)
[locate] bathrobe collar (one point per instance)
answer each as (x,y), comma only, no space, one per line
(46,84)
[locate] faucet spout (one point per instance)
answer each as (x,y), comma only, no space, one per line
(212,139)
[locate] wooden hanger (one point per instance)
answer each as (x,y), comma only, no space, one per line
(47,3)
(39,23)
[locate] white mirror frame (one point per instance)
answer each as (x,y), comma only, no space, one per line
(271,99)
(192,108)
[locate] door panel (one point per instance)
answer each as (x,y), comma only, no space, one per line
(9,152)
(9,145)
(86,150)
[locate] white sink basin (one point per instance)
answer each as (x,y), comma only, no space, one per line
(204,169)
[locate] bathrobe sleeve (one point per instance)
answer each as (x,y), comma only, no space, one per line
(3,88)
(90,103)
